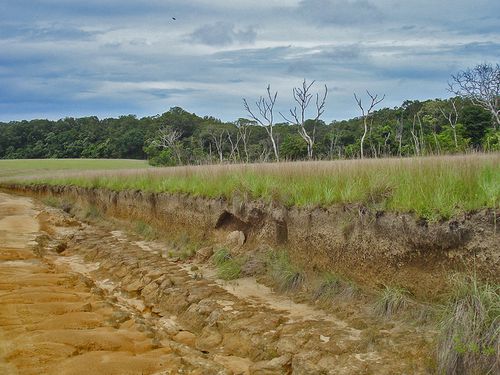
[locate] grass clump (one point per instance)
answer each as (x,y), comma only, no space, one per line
(470,329)
(145,230)
(228,267)
(392,300)
(92,213)
(332,285)
(51,201)
(286,276)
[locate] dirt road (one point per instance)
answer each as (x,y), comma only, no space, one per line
(80,299)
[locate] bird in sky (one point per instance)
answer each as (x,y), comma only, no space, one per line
(175,19)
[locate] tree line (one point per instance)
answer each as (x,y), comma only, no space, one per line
(177,137)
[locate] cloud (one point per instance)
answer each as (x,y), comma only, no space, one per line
(340,12)
(60,58)
(222,34)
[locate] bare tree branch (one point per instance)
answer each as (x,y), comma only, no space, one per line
(481,85)
(265,117)
(303,97)
(366,113)
(168,138)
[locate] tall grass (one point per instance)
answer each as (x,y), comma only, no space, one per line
(470,329)
(432,187)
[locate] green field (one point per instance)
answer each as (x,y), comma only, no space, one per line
(431,187)
(41,167)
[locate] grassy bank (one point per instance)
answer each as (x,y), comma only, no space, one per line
(432,187)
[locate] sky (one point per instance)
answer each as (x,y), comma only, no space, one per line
(66,58)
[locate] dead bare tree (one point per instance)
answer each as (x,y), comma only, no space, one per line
(303,97)
(218,138)
(414,135)
(168,138)
(481,85)
(235,149)
(399,134)
(244,130)
(387,148)
(366,113)
(451,114)
(265,117)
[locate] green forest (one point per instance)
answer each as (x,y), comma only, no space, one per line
(177,137)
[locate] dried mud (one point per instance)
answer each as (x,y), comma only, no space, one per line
(79,299)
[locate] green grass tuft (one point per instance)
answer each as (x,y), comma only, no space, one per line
(228,268)
(145,230)
(92,213)
(392,300)
(333,285)
(286,276)
(470,329)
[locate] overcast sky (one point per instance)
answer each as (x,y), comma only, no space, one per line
(62,58)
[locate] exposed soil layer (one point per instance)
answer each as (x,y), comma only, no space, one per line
(370,248)
(81,299)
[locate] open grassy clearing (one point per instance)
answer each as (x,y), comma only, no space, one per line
(432,187)
(41,167)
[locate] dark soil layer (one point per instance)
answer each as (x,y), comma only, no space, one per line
(370,248)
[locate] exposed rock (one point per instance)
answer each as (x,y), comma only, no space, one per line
(204,253)
(237,365)
(253,266)
(186,338)
(235,238)
(305,363)
(209,340)
(278,365)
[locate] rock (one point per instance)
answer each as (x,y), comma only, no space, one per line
(279,365)
(235,238)
(61,247)
(186,338)
(170,326)
(134,286)
(253,266)
(237,365)
(204,254)
(209,340)
(304,363)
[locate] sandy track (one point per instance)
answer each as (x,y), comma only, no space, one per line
(88,300)
(51,322)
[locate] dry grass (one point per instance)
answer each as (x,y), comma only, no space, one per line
(432,187)
(48,167)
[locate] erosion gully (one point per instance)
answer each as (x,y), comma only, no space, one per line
(77,298)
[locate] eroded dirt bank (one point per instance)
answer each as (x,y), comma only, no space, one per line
(80,299)
(369,247)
